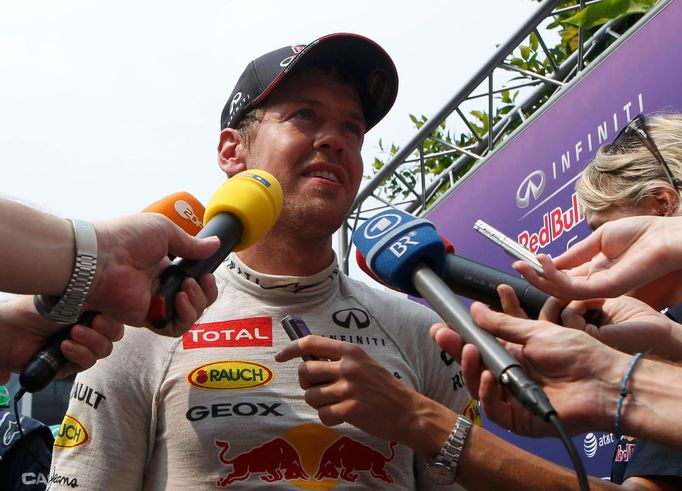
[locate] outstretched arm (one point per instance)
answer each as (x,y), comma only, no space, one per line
(581,376)
(38,257)
(617,257)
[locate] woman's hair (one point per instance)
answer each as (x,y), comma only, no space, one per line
(626,174)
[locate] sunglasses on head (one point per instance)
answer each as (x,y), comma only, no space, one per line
(636,131)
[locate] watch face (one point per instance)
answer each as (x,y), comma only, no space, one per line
(440,473)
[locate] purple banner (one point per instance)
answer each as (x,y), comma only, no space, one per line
(526,189)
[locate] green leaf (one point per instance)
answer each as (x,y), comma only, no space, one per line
(525,51)
(534,41)
(600,13)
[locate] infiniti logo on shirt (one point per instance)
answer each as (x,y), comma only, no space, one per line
(351,317)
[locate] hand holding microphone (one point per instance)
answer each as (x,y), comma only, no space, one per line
(408,255)
(88,345)
(239,213)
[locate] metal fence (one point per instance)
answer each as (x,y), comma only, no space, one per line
(491,80)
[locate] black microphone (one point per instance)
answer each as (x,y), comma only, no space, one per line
(477,281)
(471,279)
(407,254)
(49,361)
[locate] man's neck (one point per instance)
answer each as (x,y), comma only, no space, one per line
(288,256)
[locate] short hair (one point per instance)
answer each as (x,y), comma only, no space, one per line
(627,177)
(248,126)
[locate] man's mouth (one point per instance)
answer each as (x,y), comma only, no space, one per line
(323,174)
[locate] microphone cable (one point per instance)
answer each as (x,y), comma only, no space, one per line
(20,393)
(572,451)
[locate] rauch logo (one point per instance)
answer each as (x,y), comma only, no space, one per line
(230,375)
(71,434)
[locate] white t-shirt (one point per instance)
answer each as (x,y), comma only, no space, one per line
(214,410)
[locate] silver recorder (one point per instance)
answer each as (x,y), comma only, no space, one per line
(510,246)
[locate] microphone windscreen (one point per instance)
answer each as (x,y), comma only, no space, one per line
(360,259)
(255,197)
(183,209)
(394,242)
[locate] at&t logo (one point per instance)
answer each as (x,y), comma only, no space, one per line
(591,443)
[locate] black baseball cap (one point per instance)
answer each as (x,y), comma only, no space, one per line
(363,59)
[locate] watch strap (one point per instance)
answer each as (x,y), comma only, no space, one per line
(451,451)
(67,308)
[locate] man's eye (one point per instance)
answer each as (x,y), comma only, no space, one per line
(305,114)
(352,128)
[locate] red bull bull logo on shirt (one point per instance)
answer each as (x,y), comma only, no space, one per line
(309,456)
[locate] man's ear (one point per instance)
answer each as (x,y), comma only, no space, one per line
(231,152)
(667,202)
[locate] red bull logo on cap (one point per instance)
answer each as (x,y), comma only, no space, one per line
(309,456)
(230,375)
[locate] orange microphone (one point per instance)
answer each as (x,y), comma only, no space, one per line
(183,209)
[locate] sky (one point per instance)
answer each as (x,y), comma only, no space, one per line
(106,107)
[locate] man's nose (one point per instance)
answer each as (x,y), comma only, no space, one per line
(329,138)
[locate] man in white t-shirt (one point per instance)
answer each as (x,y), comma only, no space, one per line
(214,409)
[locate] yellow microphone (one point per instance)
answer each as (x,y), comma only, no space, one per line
(239,213)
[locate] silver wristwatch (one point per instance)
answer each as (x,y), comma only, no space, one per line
(442,469)
(67,308)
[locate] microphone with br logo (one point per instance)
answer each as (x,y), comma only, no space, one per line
(407,254)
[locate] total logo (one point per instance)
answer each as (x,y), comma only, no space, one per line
(255,331)
(591,443)
(72,433)
(473,412)
(309,456)
(230,375)
(380,225)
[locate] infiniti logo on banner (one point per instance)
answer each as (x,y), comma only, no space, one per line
(533,184)
(348,317)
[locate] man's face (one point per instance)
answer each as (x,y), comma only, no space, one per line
(310,139)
